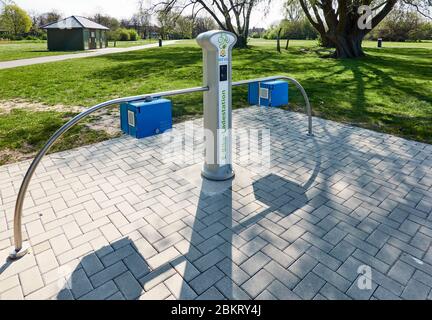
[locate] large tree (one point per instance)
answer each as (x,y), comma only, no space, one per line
(229,15)
(15,20)
(48,17)
(344,23)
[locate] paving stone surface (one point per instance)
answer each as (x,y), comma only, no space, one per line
(346,214)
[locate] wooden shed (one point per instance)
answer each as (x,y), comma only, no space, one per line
(76,33)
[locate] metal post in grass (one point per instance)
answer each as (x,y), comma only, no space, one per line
(217,46)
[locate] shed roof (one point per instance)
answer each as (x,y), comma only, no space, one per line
(75,22)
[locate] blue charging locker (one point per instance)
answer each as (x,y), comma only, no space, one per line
(273,93)
(142,119)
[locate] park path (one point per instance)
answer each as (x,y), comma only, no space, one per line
(93,53)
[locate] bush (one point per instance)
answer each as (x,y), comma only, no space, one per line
(402,26)
(133,35)
(292,30)
(123,35)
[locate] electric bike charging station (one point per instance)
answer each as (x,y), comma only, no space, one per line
(217,88)
(217,74)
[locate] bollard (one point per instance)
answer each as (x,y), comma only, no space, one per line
(379,42)
(160,42)
(217,46)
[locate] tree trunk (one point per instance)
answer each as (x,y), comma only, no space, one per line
(348,46)
(278,41)
(287,44)
(241,41)
(325,41)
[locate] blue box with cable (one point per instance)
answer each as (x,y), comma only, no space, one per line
(271,93)
(142,119)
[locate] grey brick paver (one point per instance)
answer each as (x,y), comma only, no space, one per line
(332,277)
(129,286)
(102,292)
(233,271)
(209,260)
(288,278)
(342,250)
(334,236)
(358,293)
(92,264)
(211,294)
(349,269)
(255,263)
(108,274)
(163,258)
(12,294)
(266,295)
(303,265)
(206,279)
(179,288)
(154,278)
(137,265)
(80,284)
(371,261)
(324,258)
(332,293)
(119,222)
(231,290)
(117,255)
(46,261)
(277,255)
(384,294)
(31,280)
(415,290)
(401,272)
(280,291)
(255,285)
(388,254)
(309,286)
(423,277)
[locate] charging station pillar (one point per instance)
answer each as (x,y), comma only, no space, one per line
(217,47)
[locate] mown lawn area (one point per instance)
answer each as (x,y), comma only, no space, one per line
(390,90)
(128,44)
(17,50)
(25,49)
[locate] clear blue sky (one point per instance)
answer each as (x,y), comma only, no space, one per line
(125,9)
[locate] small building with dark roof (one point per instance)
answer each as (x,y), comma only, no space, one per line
(76,33)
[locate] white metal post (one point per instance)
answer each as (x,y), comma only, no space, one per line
(217,48)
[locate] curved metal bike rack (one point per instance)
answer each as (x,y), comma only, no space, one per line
(19,250)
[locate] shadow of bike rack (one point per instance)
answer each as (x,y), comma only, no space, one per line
(19,249)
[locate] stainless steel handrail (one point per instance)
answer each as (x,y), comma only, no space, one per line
(19,249)
(297,84)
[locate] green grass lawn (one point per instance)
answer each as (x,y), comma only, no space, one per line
(24,132)
(128,44)
(16,50)
(390,90)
